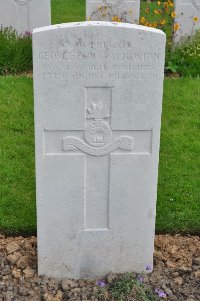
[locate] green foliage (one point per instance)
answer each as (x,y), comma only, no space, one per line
(171,67)
(186,56)
(122,288)
(64,11)
(127,287)
(15,52)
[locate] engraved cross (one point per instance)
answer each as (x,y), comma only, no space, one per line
(98,143)
(23,15)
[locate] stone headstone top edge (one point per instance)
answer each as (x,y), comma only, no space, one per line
(97,23)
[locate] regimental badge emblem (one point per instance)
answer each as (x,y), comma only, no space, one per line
(98,134)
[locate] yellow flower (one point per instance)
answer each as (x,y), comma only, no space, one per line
(173,14)
(170,3)
(159,3)
(116,19)
(195,19)
(89,18)
(147,10)
(99,7)
(142,20)
(162,22)
(156,11)
(176,26)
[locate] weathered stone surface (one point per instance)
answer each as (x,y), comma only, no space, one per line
(109,10)
(25,15)
(187,18)
(98,102)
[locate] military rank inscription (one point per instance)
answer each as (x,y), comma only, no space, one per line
(85,62)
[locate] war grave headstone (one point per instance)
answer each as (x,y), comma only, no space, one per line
(25,15)
(98,100)
(113,10)
(187,18)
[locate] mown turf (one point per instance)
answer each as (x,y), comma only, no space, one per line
(179,176)
(64,11)
(179,173)
(17,178)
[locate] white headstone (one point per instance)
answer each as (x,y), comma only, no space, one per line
(105,10)
(186,13)
(98,101)
(25,15)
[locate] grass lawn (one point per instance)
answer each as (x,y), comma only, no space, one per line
(179,187)
(64,11)
(17,183)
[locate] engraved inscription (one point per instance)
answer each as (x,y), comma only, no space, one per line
(112,3)
(100,61)
(74,143)
(22,2)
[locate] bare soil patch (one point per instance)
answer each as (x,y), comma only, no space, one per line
(176,272)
